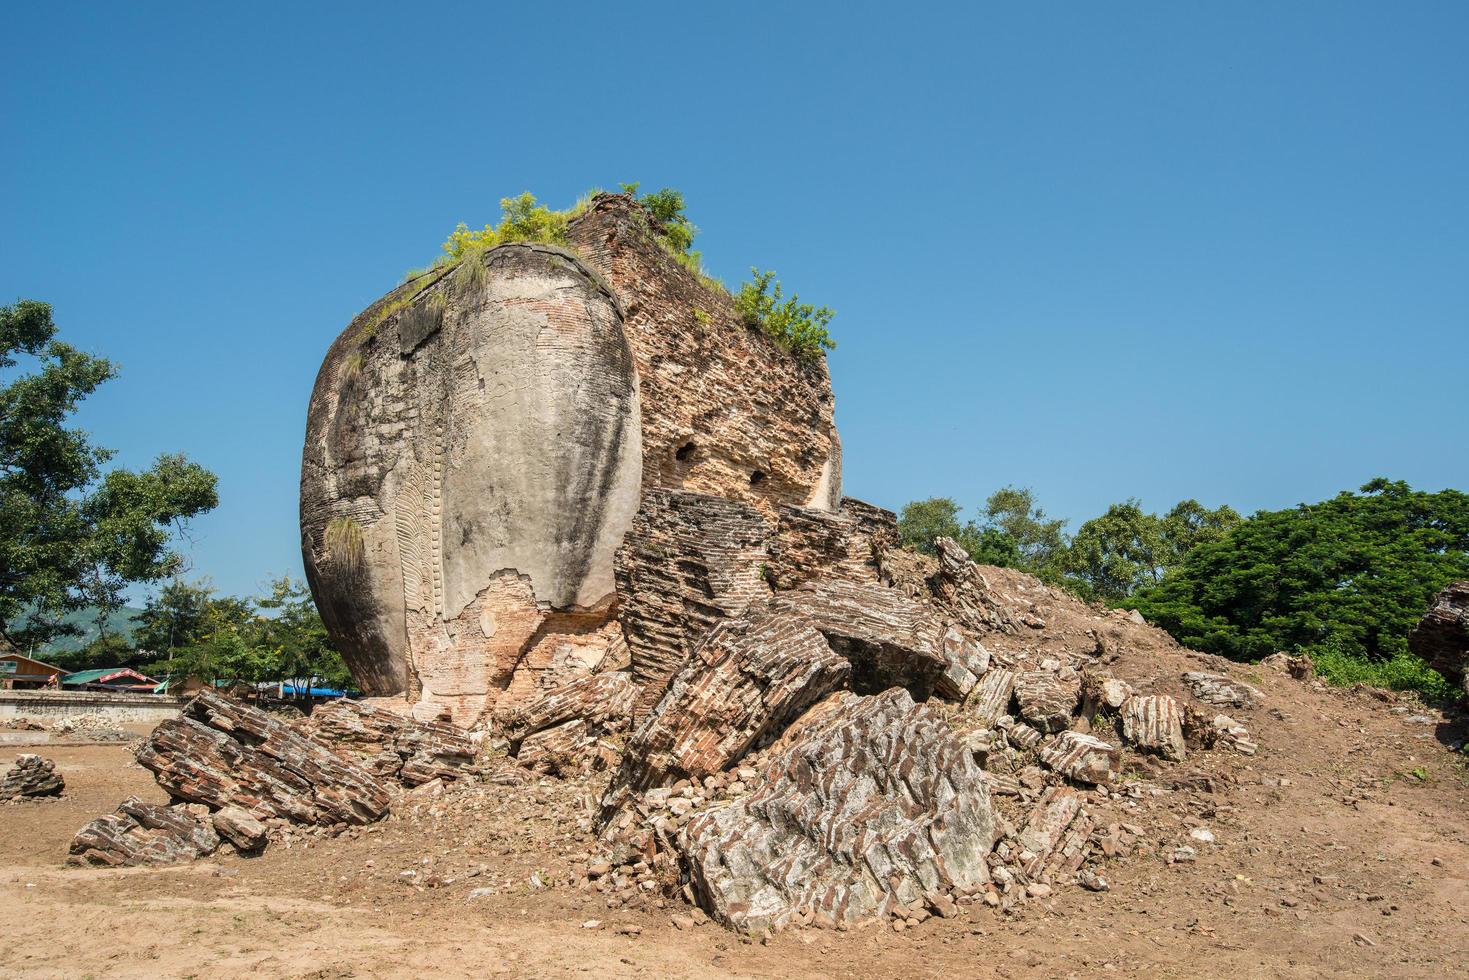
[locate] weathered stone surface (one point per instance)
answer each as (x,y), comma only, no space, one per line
(1442,635)
(31,776)
(960,587)
(813,543)
(688,561)
(991,697)
(391,745)
(1048,698)
(464,484)
(556,749)
(724,410)
(751,677)
(247,834)
(1055,834)
(1081,757)
(865,803)
(1153,723)
(143,834)
(891,639)
(223,753)
(602,701)
(1218,689)
(478,439)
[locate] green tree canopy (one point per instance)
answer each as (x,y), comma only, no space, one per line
(1126,549)
(277,637)
(70,536)
(923,521)
(1348,577)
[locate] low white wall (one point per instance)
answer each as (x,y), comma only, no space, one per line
(117,707)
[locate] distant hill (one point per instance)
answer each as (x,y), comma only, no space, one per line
(120,623)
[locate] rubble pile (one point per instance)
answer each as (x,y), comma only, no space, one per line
(93,728)
(788,773)
(31,776)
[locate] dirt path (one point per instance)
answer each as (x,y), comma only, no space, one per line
(1342,849)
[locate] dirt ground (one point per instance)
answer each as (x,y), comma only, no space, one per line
(1342,849)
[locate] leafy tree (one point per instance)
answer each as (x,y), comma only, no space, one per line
(69,536)
(1344,580)
(798,327)
(1127,549)
(1038,538)
(938,517)
(273,638)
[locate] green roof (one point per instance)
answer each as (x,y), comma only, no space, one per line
(92,676)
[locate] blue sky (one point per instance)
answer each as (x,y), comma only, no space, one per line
(1138,249)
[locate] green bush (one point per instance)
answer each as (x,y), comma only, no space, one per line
(1403,672)
(798,327)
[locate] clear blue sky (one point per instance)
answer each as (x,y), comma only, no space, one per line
(1104,250)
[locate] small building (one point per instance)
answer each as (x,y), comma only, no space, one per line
(17,672)
(109,679)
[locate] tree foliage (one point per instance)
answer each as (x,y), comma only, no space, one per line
(798,327)
(922,521)
(278,637)
(71,536)
(1345,578)
(1126,549)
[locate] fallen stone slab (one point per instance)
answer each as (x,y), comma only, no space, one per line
(248,835)
(865,804)
(991,697)
(1153,723)
(688,561)
(223,753)
(750,678)
(141,833)
(31,776)
(1442,635)
(392,745)
(1084,758)
(1048,698)
(1053,840)
(1217,689)
(961,588)
(891,639)
(602,701)
(1230,734)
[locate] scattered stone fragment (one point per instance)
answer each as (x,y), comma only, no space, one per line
(1183,854)
(248,835)
(1202,834)
(1081,757)
(141,833)
(31,776)
(1047,698)
(1092,881)
(1217,689)
(1152,723)
(223,753)
(1229,733)
(816,837)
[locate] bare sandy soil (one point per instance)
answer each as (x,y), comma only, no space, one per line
(1342,849)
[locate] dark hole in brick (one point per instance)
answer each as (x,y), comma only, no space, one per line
(757,477)
(683,452)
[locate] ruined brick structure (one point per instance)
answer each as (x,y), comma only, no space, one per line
(479,441)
